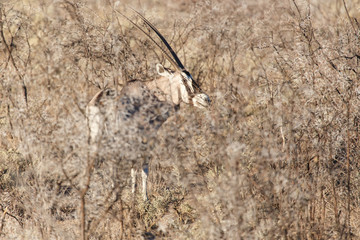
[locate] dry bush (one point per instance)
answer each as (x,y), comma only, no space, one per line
(274,157)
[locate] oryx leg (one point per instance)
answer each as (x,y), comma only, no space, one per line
(133,180)
(144,176)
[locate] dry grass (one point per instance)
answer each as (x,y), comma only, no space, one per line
(276,156)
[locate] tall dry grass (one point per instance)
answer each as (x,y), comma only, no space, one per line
(275,157)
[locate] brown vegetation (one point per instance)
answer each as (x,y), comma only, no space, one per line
(275,157)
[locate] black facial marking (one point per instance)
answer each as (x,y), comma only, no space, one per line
(192,79)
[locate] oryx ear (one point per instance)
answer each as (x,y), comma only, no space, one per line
(162,71)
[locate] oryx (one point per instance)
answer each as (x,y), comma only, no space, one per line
(134,114)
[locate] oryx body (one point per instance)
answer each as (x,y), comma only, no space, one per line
(131,117)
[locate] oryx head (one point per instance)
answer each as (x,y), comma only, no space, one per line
(182,84)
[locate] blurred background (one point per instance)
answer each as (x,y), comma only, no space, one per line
(275,156)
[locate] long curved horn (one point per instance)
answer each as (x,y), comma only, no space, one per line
(181,66)
(175,64)
(175,61)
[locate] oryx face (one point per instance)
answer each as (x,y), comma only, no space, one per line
(198,98)
(182,87)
